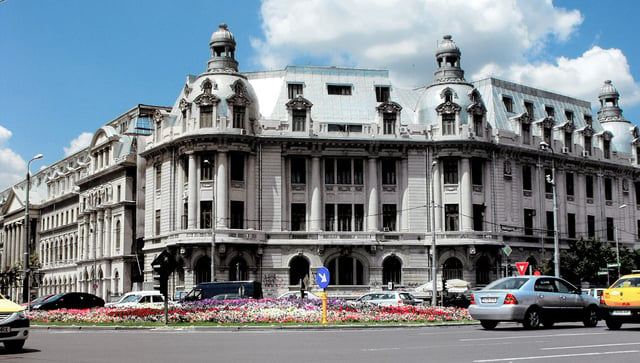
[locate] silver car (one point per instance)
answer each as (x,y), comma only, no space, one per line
(532,301)
(389,298)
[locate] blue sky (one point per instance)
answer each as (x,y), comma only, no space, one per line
(69,66)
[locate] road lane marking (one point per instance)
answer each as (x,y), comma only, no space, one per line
(529,336)
(554,356)
(590,346)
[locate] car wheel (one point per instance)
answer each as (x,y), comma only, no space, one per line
(13,346)
(488,324)
(591,317)
(613,324)
(532,319)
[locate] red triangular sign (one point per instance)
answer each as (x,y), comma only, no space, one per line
(522,267)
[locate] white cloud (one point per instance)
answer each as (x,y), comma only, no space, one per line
(79,143)
(12,167)
(4,134)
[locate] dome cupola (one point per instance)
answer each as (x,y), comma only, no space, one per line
(223,48)
(448,60)
(609,109)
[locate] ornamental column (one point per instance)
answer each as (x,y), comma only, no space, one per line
(372,180)
(221,191)
(466,207)
(315,213)
(192,203)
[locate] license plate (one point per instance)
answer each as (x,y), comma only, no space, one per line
(5,329)
(488,300)
(621,312)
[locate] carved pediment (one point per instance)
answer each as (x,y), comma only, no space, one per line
(588,131)
(389,107)
(299,103)
(476,108)
(240,98)
(607,136)
(184,105)
(448,107)
(206,99)
(569,127)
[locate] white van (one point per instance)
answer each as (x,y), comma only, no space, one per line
(136,298)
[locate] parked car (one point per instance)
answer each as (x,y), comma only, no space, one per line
(14,325)
(595,292)
(138,298)
(70,300)
(38,300)
(207,290)
(620,303)
(296,295)
(532,301)
(389,298)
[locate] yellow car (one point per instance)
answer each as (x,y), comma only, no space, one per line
(620,303)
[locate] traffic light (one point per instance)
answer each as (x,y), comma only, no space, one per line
(160,279)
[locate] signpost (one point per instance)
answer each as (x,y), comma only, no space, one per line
(322,279)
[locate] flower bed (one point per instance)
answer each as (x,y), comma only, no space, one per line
(265,311)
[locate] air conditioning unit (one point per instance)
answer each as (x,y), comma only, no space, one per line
(404,130)
(586,153)
(243,132)
(565,150)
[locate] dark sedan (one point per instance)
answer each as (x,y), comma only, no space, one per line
(532,301)
(70,300)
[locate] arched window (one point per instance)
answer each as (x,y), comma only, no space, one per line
(346,270)
(452,269)
(116,280)
(391,270)
(483,269)
(203,270)
(238,270)
(298,269)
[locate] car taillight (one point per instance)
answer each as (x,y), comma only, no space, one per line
(473,302)
(602,301)
(510,299)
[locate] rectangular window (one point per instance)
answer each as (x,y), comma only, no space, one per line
(382,93)
(389,123)
(528,106)
(526,134)
(329,217)
(294,90)
(206,168)
(568,141)
(550,111)
(476,171)
(448,123)
(547,135)
(550,224)
(610,229)
(571,225)
(591,226)
(478,128)
(508,103)
(298,171)
(606,145)
(389,217)
(358,217)
(587,145)
(157,229)
(206,116)
(341,90)
(451,217)
(526,178)
(548,176)
(588,120)
(608,189)
(237,167)
(158,168)
(344,171)
(236,217)
(299,120)
(569,115)
(450,171)
(329,171)
(238,116)
(344,217)
(569,182)
(358,171)
(205,214)
(388,171)
(589,186)
(298,216)
(528,221)
(637,192)
(478,217)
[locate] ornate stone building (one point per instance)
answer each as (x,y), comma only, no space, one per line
(269,175)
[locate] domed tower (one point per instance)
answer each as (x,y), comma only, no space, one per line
(448,59)
(611,118)
(223,49)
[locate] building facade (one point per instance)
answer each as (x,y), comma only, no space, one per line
(269,175)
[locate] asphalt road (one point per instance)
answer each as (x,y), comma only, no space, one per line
(468,343)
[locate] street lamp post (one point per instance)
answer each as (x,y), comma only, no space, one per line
(213,238)
(615,230)
(25,292)
(552,180)
(434,258)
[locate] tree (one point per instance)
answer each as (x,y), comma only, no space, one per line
(585,258)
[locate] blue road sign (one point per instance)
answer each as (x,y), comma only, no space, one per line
(322,277)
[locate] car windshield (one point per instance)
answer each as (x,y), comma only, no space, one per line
(131,298)
(511,283)
(627,282)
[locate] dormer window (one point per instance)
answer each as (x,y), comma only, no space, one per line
(299,120)
(587,144)
(547,135)
(294,90)
(569,115)
(588,120)
(206,116)
(389,123)
(299,109)
(448,124)
(239,113)
(528,106)
(568,141)
(550,111)
(508,103)
(606,149)
(478,125)
(526,133)
(382,93)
